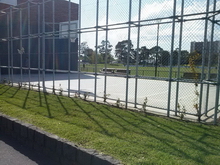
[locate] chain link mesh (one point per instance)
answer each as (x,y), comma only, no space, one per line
(166,51)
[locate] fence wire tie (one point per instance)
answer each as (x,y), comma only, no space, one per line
(181,20)
(214,14)
(137,25)
(175,17)
(131,23)
(98,27)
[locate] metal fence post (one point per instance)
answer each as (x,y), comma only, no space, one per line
(171,59)
(179,58)
(216,109)
(29,47)
(9,50)
(137,54)
(210,53)
(53,35)
(128,54)
(39,47)
(204,51)
(96,48)
(106,46)
(21,46)
(69,44)
(79,43)
(11,45)
(43,45)
(156,63)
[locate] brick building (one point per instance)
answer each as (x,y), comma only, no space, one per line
(39,30)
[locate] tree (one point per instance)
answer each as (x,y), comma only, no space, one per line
(214,59)
(110,58)
(144,54)
(83,47)
(121,51)
(196,57)
(184,57)
(105,51)
(165,58)
(105,47)
(155,53)
(85,52)
(175,57)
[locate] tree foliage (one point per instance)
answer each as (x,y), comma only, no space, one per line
(89,55)
(165,58)
(85,52)
(144,55)
(184,57)
(195,57)
(105,51)
(122,51)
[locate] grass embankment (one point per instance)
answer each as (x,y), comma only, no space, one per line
(133,138)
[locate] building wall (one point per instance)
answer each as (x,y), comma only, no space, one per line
(211,56)
(61,14)
(26,31)
(198,46)
(3,6)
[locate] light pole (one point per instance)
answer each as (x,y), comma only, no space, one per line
(156,62)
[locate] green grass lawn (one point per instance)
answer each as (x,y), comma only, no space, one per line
(146,71)
(133,138)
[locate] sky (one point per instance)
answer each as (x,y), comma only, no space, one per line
(153,32)
(10,2)
(150,9)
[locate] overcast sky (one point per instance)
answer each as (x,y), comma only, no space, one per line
(10,2)
(119,13)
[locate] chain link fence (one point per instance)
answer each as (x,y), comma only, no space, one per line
(157,56)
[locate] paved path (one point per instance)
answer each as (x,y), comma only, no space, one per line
(13,153)
(156,92)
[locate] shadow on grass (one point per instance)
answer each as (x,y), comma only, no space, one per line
(61,103)
(15,92)
(104,131)
(196,144)
(47,105)
(40,99)
(25,99)
(2,86)
(167,131)
(190,139)
(159,130)
(108,116)
(8,87)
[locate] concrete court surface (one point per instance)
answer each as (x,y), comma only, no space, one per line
(13,153)
(156,91)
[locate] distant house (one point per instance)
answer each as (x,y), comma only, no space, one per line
(39,30)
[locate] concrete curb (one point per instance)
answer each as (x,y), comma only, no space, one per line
(62,151)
